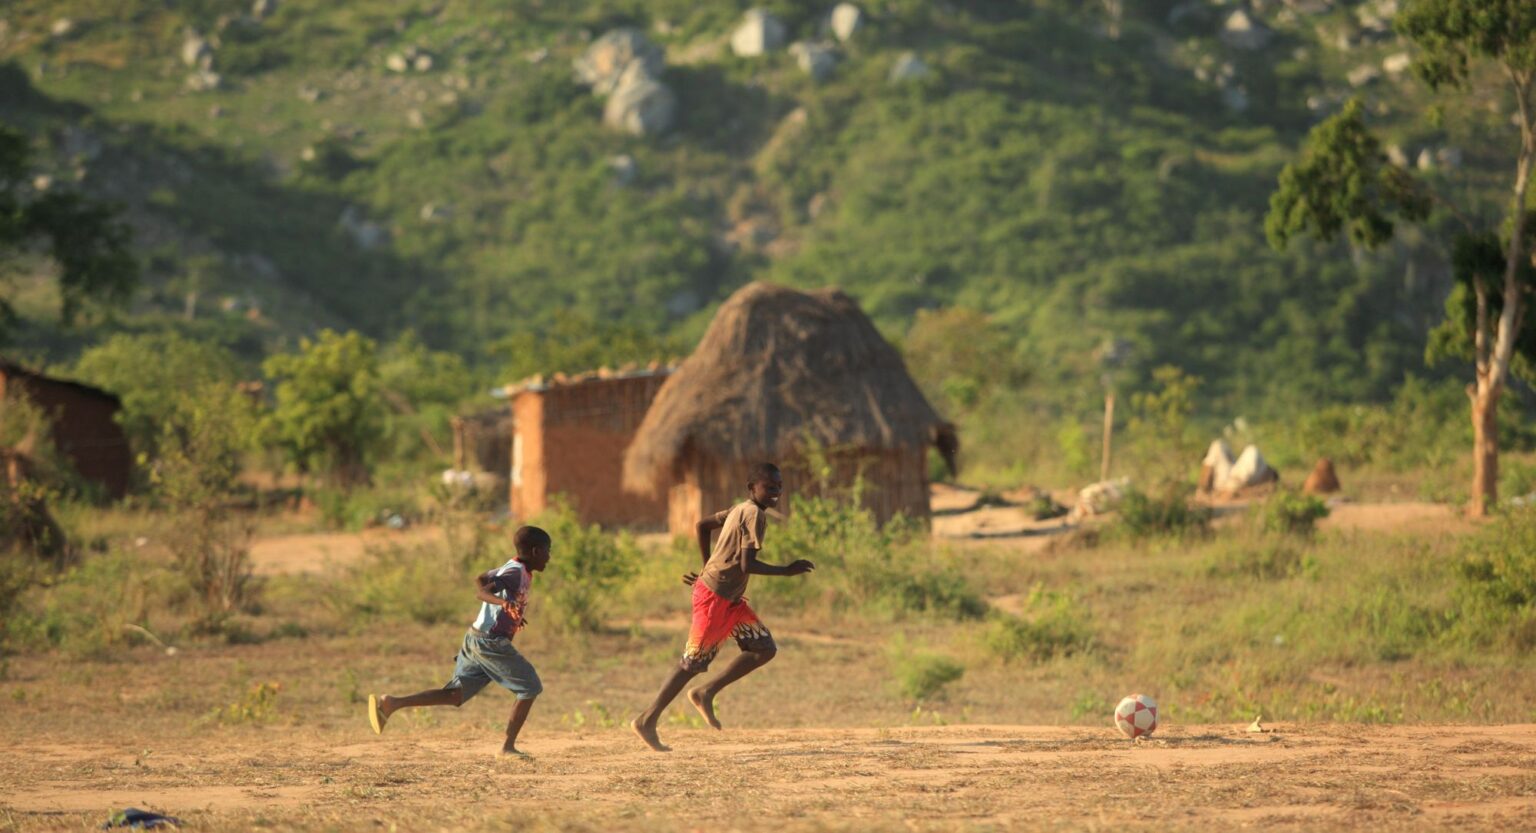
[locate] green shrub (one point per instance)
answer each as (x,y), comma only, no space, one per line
(84,610)
(428,585)
(885,570)
(1050,625)
(1166,515)
(1260,559)
(1292,513)
(921,675)
(587,571)
(1496,580)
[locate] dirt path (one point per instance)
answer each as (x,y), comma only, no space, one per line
(318,552)
(1210,777)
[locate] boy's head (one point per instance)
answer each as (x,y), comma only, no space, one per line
(532,546)
(765,484)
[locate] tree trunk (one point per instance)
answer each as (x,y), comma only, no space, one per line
(1485,450)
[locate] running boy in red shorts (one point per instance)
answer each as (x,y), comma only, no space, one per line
(720,609)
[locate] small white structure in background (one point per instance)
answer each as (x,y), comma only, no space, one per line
(470,481)
(1216,467)
(1100,497)
(1242,31)
(1220,473)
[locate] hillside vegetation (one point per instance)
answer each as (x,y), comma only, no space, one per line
(1077,178)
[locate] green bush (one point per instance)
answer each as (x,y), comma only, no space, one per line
(429,585)
(1261,559)
(1292,513)
(1496,584)
(1050,625)
(1169,514)
(587,572)
(84,611)
(921,675)
(885,571)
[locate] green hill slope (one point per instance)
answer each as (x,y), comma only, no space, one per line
(1078,178)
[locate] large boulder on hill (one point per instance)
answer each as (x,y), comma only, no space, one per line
(908,67)
(196,52)
(641,105)
(846,19)
(622,51)
(1323,480)
(759,33)
(1242,31)
(815,59)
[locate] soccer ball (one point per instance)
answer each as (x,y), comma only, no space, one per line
(1136,716)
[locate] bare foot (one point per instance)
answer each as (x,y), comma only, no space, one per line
(705,703)
(514,752)
(648,734)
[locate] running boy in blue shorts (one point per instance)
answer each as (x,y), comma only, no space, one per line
(487,654)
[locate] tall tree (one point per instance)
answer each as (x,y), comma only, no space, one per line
(85,239)
(1343,181)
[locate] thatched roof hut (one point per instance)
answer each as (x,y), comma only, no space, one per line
(777,370)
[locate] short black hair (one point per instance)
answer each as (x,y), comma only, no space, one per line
(528,537)
(761,472)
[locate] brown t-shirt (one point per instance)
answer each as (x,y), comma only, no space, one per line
(742,530)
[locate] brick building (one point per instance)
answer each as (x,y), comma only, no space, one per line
(568,438)
(82,424)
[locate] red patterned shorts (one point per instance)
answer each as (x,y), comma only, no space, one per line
(716,619)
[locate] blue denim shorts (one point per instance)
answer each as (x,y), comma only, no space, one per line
(483,660)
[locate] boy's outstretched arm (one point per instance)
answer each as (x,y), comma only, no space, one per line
(762,568)
(703,529)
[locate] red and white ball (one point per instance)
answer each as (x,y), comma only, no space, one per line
(1136,716)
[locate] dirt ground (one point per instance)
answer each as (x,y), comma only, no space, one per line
(1326,777)
(143,730)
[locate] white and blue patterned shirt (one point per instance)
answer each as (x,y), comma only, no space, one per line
(510,581)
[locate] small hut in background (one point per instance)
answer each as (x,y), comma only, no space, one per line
(568,436)
(780,369)
(82,423)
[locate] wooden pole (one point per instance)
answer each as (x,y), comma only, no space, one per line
(1109,427)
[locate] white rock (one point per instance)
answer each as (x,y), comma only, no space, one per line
(624,168)
(365,233)
(63,27)
(1397,64)
(1362,75)
(422,63)
(846,19)
(1241,31)
(908,67)
(1426,161)
(642,106)
(1397,156)
(605,62)
(758,33)
(263,9)
(433,212)
(204,80)
(815,59)
(196,52)
(1250,469)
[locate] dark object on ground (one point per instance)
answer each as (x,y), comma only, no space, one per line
(1323,480)
(140,819)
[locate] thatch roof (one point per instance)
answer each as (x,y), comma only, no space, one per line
(776,366)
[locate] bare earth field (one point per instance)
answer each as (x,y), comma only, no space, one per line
(813,742)
(938,778)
